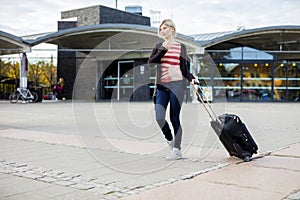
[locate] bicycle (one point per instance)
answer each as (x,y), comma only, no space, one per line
(24,94)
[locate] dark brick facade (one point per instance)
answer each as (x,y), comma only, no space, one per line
(110,15)
(141,89)
(103,15)
(68,62)
(66,24)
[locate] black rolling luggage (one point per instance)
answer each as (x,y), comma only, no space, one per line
(232,132)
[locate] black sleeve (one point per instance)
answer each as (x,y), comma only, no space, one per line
(185,64)
(157,53)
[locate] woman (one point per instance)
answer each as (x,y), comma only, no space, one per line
(172,63)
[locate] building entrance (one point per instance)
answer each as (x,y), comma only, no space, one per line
(118,81)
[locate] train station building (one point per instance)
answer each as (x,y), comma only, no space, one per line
(102,55)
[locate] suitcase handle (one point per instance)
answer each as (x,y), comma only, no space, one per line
(209,110)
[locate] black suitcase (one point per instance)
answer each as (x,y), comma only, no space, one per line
(232,132)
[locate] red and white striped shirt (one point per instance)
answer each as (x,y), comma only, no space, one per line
(170,64)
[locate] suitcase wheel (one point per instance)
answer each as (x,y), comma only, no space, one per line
(247,158)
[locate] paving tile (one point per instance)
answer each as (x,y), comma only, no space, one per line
(3,176)
(17,185)
(294,196)
(249,175)
(53,191)
(292,151)
(26,196)
(195,189)
(278,162)
(78,195)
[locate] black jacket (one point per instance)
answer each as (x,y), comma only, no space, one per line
(159,51)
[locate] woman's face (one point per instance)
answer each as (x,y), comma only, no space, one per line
(166,31)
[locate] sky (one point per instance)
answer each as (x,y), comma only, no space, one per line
(19,17)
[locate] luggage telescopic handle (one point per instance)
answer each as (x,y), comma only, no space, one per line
(210,111)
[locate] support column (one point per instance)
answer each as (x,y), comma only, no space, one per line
(141,81)
(23,71)
(195,70)
(99,81)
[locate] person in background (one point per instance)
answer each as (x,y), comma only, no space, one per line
(59,88)
(170,58)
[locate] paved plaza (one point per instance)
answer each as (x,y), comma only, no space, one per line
(114,150)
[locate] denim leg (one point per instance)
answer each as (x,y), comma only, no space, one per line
(162,101)
(176,99)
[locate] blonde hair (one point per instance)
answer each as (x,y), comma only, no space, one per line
(169,23)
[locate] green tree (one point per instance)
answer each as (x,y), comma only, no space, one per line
(34,72)
(13,71)
(42,73)
(39,73)
(9,69)
(49,76)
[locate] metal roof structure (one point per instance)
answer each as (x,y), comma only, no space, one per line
(109,37)
(126,37)
(273,38)
(11,44)
(210,36)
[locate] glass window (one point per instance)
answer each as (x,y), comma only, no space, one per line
(230,80)
(247,53)
(293,81)
(257,81)
(287,81)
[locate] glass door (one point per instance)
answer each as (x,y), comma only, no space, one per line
(125,80)
(118,81)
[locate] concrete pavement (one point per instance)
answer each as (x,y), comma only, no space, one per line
(275,176)
(84,150)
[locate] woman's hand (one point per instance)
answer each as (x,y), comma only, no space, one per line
(195,82)
(167,44)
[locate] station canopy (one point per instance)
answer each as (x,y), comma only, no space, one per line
(282,41)
(11,44)
(105,40)
(138,40)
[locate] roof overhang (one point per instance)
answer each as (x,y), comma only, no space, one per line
(10,44)
(107,39)
(284,41)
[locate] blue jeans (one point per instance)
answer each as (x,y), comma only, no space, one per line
(173,93)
